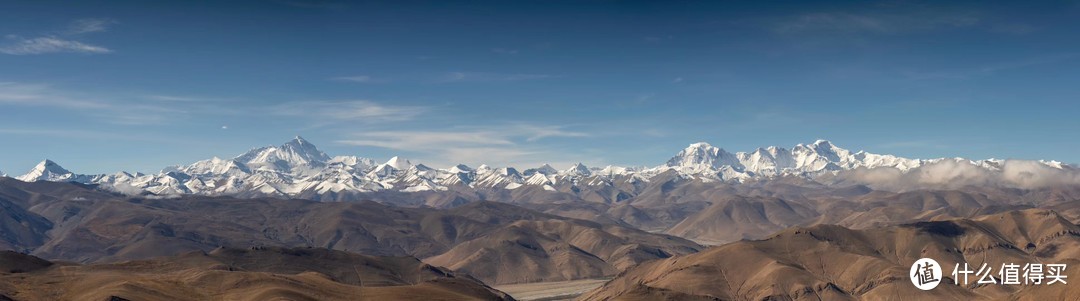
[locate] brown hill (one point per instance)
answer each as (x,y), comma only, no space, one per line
(245,274)
(716,213)
(110,228)
(837,263)
(558,250)
(735,218)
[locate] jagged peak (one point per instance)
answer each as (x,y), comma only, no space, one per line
(577,169)
(51,166)
(460,168)
(545,169)
(507,171)
(399,163)
(48,170)
(701,144)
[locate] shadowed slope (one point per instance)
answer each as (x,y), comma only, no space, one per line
(837,263)
(250,274)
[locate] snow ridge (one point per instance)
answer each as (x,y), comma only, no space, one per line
(298,168)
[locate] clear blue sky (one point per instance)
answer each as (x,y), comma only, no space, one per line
(138,85)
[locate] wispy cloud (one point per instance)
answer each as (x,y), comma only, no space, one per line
(428,140)
(535,132)
(504,144)
(42,95)
(59,41)
(90,25)
(143,109)
(491,77)
(913,144)
(114,110)
(69,133)
(504,51)
(43,45)
(890,22)
(351,110)
(991,68)
(357,79)
(470,136)
(183,98)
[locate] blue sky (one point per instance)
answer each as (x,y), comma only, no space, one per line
(132,85)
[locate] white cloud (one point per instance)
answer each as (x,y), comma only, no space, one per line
(52,43)
(991,68)
(957,173)
(175,98)
(356,79)
(353,110)
(43,45)
(890,22)
(107,109)
(135,109)
(508,144)
(90,25)
(533,132)
(85,134)
(491,77)
(914,144)
(42,95)
(502,135)
(427,140)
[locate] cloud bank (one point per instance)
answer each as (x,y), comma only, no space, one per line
(958,173)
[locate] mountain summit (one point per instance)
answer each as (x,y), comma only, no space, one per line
(703,156)
(298,168)
(50,171)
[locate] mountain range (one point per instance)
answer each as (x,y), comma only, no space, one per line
(813,221)
(299,169)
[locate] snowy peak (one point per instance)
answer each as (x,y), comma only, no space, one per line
(545,170)
(215,165)
(577,170)
(50,171)
(508,172)
(804,159)
(460,168)
(702,156)
(299,169)
(824,149)
(50,166)
(304,149)
(398,163)
(354,162)
(297,153)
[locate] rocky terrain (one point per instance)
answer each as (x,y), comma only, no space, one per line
(239,274)
(291,222)
(828,262)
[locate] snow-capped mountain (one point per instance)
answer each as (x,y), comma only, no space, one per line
(803,159)
(299,168)
(50,171)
